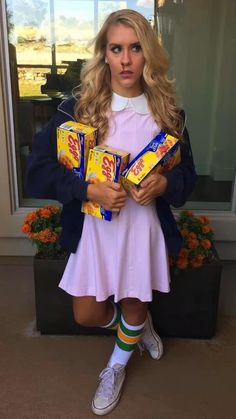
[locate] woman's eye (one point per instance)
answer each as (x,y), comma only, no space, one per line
(116,49)
(136,48)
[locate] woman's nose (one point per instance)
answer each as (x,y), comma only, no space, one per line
(125,59)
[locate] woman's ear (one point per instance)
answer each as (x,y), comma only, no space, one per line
(106,60)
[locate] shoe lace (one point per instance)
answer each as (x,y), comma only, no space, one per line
(106,382)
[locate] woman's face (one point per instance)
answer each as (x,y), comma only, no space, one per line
(125,59)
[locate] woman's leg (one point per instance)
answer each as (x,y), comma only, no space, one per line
(89,312)
(134,311)
(129,332)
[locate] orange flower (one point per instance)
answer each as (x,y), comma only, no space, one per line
(25,228)
(203,219)
(31,217)
(184,233)
(192,235)
(189,213)
(197,236)
(182,263)
(33,236)
(199,257)
(206,229)
(43,228)
(48,236)
(196,263)
(193,243)
(183,253)
(52,208)
(45,212)
(206,244)
(54,237)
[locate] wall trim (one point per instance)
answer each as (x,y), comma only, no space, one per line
(22,247)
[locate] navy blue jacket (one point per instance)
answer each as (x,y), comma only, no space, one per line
(48,179)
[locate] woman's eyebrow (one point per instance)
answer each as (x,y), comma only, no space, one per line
(133,44)
(112,44)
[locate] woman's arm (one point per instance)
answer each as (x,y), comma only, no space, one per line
(174,185)
(182,178)
(46,178)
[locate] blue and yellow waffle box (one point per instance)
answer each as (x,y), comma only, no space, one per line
(162,154)
(74,140)
(104,164)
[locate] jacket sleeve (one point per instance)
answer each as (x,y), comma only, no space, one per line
(45,177)
(182,178)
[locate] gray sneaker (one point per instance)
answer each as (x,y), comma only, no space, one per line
(109,389)
(150,340)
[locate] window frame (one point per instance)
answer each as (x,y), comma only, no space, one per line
(12,240)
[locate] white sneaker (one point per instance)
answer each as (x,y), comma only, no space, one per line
(109,389)
(150,340)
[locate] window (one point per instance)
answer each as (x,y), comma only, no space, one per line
(200,38)
(48,43)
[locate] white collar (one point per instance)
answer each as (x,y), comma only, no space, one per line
(138,103)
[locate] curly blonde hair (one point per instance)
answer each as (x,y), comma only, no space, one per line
(95,93)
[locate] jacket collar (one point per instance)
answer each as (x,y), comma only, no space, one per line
(67,107)
(138,103)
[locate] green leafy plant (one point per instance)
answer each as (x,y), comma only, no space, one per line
(43,228)
(197,237)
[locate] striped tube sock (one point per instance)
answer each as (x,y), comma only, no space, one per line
(127,338)
(113,324)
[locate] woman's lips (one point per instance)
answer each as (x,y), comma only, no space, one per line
(126,74)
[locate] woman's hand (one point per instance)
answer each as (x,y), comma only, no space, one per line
(151,187)
(109,195)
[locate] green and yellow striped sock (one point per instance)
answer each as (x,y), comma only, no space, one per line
(126,340)
(127,335)
(113,324)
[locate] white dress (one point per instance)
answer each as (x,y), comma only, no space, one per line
(126,257)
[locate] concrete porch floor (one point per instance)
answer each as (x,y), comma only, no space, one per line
(54,377)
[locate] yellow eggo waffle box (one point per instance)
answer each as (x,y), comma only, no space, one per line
(104,164)
(162,153)
(74,140)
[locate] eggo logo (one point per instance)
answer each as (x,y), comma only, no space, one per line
(163,148)
(72,144)
(108,167)
(137,167)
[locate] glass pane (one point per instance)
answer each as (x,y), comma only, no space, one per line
(48,40)
(74,27)
(200,38)
(47,44)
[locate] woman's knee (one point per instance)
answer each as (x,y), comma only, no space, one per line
(88,312)
(134,310)
(133,304)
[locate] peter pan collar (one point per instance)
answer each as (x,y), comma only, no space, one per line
(138,103)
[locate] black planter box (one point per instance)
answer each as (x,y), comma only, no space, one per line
(54,314)
(188,311)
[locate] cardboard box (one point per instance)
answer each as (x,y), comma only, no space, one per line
(104,164)
(162,153)
(74,140)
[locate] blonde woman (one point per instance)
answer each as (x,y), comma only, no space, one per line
(126,94)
